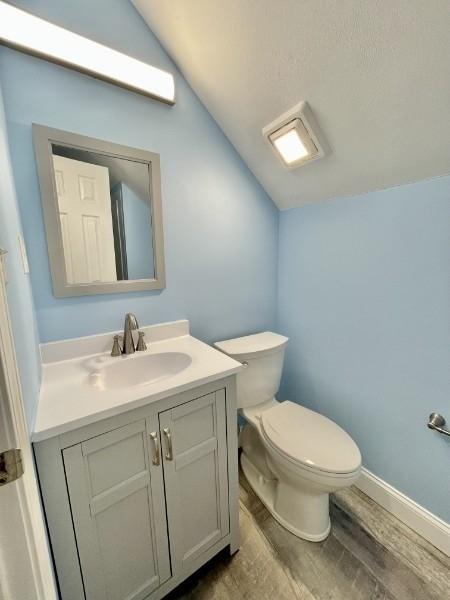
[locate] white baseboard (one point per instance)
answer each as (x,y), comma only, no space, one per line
(419,519)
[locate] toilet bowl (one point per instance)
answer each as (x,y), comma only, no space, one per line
(292,457)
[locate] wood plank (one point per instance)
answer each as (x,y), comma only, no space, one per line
(418,556)
(253,572)
(351,564)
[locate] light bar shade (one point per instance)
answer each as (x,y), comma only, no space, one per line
(36,36)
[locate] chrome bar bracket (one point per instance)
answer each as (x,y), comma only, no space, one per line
(437,422)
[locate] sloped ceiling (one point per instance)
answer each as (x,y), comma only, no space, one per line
(375,72)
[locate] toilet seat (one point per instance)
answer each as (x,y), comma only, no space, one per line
(309,439)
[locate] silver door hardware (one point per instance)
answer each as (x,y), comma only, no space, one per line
(437,423)
(155,440)
(169,454)
(11,466)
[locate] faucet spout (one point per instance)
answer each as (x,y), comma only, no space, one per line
(130,325)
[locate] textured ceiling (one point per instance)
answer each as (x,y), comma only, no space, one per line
(375,72)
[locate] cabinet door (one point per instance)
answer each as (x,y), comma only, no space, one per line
(117,501)
(195,473)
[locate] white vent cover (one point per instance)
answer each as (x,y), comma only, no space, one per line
(295,137)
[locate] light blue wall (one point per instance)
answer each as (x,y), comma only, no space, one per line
(363,282)
(137,223)
(18,289)
(364,292)
(220,227)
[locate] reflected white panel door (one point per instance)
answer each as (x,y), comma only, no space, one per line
(196,477)
(86,224)
(117,498)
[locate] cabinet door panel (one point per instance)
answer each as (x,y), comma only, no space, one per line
(125,453)
(196,477)
(117,502)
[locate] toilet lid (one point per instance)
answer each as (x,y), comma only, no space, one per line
(309,438)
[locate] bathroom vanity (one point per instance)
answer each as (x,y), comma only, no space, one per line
(137,462)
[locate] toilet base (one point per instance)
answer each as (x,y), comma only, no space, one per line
(266,490)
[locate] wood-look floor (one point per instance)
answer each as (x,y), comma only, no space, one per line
(369,555)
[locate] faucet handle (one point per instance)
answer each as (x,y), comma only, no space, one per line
(141,345)
(116,349)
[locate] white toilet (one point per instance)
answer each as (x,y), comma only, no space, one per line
(291,456)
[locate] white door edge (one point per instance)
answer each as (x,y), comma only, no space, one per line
(15,430)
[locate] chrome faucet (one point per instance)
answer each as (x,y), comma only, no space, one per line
(128,347)
(131,324)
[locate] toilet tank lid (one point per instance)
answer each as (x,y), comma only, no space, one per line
(252,345)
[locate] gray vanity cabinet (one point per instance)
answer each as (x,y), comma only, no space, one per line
(137,502)
(118,509)
(195,473)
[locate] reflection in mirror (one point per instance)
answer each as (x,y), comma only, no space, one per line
(105,216)
(102,211)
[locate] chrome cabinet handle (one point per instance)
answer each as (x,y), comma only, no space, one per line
(169,454)
(154,437)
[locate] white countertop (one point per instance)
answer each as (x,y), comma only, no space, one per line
(68,400)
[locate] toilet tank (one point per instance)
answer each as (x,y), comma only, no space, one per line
(263,355)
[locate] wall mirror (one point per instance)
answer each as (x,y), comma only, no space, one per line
(102,212)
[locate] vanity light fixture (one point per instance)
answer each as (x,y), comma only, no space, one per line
(295,137)
(31,34)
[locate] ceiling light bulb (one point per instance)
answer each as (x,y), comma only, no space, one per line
(290,146)
(295,138)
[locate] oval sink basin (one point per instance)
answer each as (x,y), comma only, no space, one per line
(139,369)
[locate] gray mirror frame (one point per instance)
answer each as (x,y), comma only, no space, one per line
(43,138)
